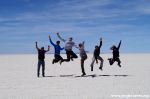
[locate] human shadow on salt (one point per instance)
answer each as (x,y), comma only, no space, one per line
(50,76)
(62,76)
(94,75)
(66,75)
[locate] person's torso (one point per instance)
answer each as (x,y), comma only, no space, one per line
(69,44)
(57,49)
(116,53)
(41,54)
(82,52)
(96,52)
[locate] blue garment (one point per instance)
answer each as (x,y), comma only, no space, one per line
(57,48)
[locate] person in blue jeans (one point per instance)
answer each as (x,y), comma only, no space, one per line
(41,57)
(57,51)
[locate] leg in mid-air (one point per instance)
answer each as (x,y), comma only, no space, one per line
(68,56)
(73,55)
(57,58)
(92,64)
(111,61)
(101,64)
(119,62)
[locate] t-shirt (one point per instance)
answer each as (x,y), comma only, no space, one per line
(41,54)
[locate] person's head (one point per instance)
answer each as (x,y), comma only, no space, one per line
(113,47)
(80,45)
(57,42)
(42,48)
(70,38)
(96,47)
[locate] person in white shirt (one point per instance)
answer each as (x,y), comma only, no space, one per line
(68,47)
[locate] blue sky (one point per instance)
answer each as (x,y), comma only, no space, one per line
(22,22)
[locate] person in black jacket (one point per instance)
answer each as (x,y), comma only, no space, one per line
(115,52)
(96,56)
(41,57)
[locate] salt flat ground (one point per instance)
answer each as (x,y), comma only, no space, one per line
(18,78)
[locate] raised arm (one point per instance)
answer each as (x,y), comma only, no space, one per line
(36,46)
(48,48)
(60,37)
(51,40)
(119,44)
(100,43)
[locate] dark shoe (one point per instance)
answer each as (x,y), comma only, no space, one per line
(83,74)
(53,61)
(72,59)
(119,65)
(91,68)
(100,68)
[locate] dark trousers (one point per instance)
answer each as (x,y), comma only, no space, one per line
(41,63)
(112,60)
(82,64)
(58,58)
(70,55)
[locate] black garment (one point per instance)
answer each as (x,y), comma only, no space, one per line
(58,58)
(41,54)
(97,51)
(82,64)
(70,55)
(115,53)
(41,63)
(112,60)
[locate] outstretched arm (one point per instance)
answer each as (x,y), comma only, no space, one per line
(60,37)
(51,40)
(100,43)
(36,46)
(119,44)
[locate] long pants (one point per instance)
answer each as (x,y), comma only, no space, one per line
(93,60)
(58,58)
(82,64)
(70,55)
(41,63)
(112,60)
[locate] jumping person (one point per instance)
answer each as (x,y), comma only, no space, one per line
(68,47)
(83,56)
(41,57)
(96,56)
(57,51)
(115,52)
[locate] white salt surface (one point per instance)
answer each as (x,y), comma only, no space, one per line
(18,78)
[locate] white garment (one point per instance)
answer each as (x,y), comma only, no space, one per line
(69,45)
